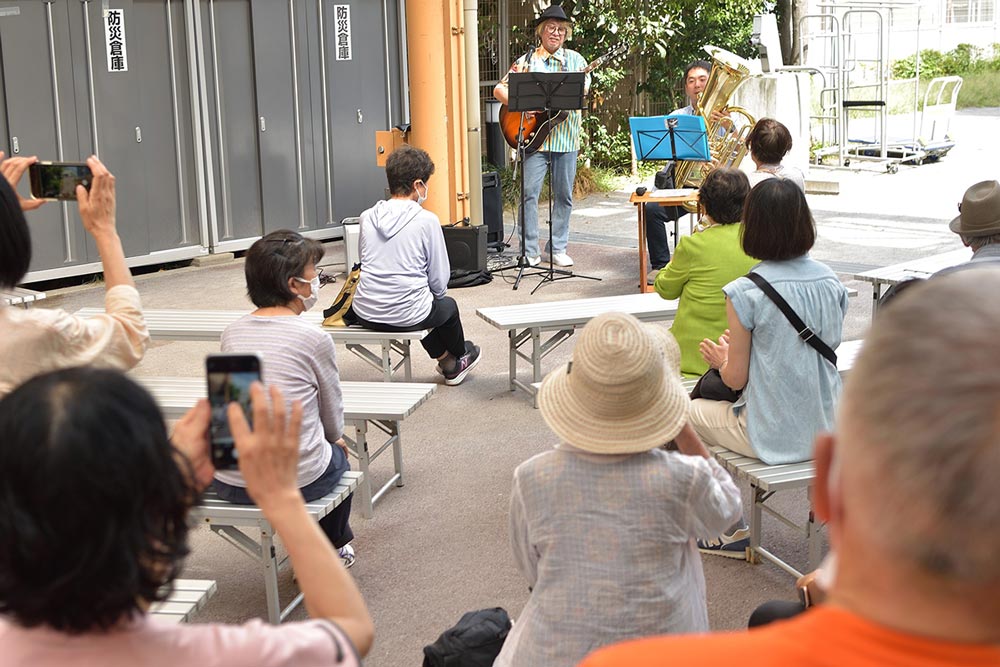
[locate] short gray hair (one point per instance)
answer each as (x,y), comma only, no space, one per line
(924,402)
(977,242)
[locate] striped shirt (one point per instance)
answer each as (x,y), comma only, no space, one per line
(299,358)
(565,136)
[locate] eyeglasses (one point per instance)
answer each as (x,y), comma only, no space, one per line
(556,29)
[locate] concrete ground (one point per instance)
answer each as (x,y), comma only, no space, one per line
(438,546)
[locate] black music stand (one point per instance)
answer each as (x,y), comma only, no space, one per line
(548,92)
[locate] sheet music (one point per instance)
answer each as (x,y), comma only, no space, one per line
(672,192)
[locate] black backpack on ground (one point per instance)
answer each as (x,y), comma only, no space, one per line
(475,640)
(468,278)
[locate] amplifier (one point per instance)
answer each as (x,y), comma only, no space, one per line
(492,207)
(466,247)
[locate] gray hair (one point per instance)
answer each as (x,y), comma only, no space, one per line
(977,242)
(923,400)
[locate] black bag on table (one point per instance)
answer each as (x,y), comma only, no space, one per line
(475,640)
(664,180)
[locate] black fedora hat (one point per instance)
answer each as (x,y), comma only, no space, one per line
(553,12)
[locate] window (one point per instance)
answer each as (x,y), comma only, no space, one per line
(970,11)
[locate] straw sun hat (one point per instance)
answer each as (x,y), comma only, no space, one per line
(621,393)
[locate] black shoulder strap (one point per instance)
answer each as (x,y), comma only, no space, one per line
(805,333)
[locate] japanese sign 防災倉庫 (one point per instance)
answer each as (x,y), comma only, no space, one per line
(342,31)
(114,37)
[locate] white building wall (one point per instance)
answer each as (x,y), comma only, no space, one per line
(943,24)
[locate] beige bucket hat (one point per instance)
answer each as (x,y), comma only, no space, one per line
(621,393)
(979,212)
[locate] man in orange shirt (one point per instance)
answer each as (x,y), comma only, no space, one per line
(907,486)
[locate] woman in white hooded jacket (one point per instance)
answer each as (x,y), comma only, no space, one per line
(405,268)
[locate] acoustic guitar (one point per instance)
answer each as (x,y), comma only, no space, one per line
(537,124)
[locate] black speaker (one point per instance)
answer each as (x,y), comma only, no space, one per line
(466,247)
(492,207)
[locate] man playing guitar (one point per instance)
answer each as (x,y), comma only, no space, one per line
(553,28)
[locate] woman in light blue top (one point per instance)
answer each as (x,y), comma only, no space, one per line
(789,389)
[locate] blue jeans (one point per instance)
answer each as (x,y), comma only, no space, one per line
(561,186)
(336,525)
(657,236)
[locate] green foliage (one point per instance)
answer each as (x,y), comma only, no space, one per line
(588,179)
(980,89)
(662,37)
(606,149)
(963,59)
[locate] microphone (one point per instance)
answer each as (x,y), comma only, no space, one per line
(527,58)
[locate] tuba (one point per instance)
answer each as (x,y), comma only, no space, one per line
(726,139)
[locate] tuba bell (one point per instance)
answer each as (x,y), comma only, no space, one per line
(726,138)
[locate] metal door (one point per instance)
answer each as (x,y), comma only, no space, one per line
(159,55)
(358,103)
(274,66)
(39,101)
(232,128)
(111,110)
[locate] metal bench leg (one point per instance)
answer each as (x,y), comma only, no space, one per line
(876,295)
(536,355)
(536,363)
(361,442)
(386,360)
(813,539)
(756,524)
(269,568)
(407,369)
(397,453)
(512,342)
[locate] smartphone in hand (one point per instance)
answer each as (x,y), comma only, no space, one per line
(229,379)
(58,180)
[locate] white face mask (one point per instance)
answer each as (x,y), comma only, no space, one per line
(422,198)
(310,301)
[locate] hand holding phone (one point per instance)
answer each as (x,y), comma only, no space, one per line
(58,180)
(229,378)
(190,437)
(13,169)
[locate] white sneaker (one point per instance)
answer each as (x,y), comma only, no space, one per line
(347,555)
(562,259)
(533,261)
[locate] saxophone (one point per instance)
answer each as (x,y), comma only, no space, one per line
(726,139)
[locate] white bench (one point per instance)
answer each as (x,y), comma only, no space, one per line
(766,480)
(188,596)
(369,407)
(20,296)
(237,523)
(525,323)
(208,325)
(918,268)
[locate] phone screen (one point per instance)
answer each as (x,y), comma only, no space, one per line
(58,180)
(229,380)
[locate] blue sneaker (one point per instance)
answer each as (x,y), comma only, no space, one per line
(733,545)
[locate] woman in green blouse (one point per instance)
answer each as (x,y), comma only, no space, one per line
(703,263)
